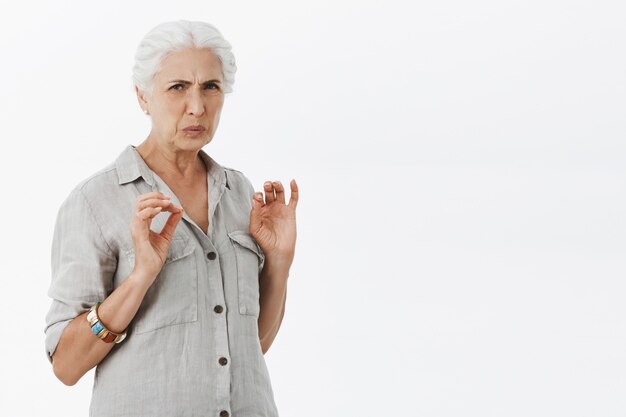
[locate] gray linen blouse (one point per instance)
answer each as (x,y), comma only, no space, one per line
(193,347)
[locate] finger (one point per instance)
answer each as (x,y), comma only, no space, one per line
(269,192)
(293,200)
(148,213)
(166,204)
(172,221)
(154,194)
(280,192)
(257,198)
(171,207)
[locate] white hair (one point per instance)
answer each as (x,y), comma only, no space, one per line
(169,37)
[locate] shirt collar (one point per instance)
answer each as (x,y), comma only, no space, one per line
(130,166)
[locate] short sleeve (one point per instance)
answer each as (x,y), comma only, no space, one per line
(82,266)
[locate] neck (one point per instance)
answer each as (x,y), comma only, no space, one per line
(180,165)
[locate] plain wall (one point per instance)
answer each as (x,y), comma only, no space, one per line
(461,224)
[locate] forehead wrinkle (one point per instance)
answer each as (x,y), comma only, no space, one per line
(189,82)
(182,67)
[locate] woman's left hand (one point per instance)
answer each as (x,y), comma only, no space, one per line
(273,223)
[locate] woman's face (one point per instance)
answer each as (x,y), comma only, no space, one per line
(187,91)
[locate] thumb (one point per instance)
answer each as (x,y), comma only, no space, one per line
(257,200)
(172,221)
(257,203)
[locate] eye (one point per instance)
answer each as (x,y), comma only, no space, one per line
(174,87)
(213,85)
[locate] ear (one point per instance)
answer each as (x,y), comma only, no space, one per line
(141,98)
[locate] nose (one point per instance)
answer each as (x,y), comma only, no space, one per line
(195,105)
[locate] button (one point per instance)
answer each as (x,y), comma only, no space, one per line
(218,309)
(223,361)
(223,413)
(211,255)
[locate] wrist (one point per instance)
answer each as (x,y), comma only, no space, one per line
(140,279)
(276,269)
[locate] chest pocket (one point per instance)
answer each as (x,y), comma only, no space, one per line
(250,261)
(173,296)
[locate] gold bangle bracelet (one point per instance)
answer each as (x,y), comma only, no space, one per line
(98,328)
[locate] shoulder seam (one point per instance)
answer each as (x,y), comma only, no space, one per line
(94,176)
(231,169)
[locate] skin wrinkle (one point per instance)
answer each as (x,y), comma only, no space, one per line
(172,109)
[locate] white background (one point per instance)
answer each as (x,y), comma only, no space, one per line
(462,215)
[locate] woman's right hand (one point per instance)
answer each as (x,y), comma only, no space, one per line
(151,247)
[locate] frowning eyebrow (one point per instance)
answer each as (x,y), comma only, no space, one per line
(189,82)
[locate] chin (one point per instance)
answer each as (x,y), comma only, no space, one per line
(193,143)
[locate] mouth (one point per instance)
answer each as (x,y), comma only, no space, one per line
(194,129)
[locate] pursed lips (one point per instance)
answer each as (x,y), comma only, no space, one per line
(195,128)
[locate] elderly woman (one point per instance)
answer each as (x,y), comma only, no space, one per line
(169,272)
